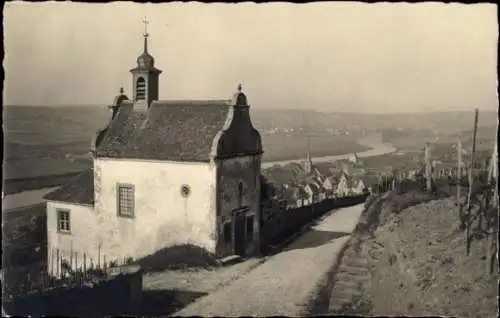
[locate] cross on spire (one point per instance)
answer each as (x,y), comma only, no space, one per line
(146,22)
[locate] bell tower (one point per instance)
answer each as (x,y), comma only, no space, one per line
(308,162)
(145,76)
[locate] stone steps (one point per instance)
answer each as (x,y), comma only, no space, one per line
(351,281)
(343,284)
(356,261)
(353,273)
(230,260)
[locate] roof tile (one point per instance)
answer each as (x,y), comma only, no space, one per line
(169,130)
(78,190)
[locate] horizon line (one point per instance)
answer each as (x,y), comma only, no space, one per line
(284,109)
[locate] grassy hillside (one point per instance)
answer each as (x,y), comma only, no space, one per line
(417,259)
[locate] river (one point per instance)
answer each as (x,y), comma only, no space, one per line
(25,198)
(372,141)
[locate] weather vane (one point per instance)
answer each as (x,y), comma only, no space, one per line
(146,22)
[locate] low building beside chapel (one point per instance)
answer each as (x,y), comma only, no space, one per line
(164,173)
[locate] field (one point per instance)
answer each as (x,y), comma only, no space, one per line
(414,140)
(24,248)
(41,141)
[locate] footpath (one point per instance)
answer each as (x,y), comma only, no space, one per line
(287,281)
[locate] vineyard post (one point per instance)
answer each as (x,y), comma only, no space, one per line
(492,210)
(428,170)
(471,181)
(76,263)
(85,264)
(52,262)
(459,177)
(58,264)
(99,255)
(71,256)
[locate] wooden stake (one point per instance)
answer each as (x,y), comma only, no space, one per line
(459,176)
(492,174)
(71,257)
(58,264)
(492,210)
(52,262)
(428,169)
(471,181)
(84,263)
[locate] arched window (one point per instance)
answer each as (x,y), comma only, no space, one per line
(140,89)
(240,194)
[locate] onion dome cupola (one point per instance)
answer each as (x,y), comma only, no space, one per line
(239,98)
(117,101)
(145,60)
(114,108)
(145,76)
(119,98)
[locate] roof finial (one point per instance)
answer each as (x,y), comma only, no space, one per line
(146,34)
(146,22)
(239,88)
(121,90)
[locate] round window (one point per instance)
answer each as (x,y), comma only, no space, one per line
(185,190)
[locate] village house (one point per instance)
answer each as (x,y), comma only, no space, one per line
(343,188)
(329,185)
(358,187)
(295,196)
(313,193)
(323,194)
(164,173)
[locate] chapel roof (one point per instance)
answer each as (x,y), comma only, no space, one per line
(168,130)
(78,190)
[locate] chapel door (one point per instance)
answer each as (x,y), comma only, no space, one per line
(239,234)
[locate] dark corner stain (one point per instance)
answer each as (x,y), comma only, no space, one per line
(166,302)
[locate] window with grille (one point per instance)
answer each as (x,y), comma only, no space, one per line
(125,200)
(63,221)
(140,89)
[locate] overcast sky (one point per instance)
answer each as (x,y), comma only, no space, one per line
(322,56)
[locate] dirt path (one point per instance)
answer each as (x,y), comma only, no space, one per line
(285,283)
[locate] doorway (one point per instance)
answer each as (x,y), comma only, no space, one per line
(239,234)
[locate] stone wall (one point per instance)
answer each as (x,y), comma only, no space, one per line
(118,294)
(287,222)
